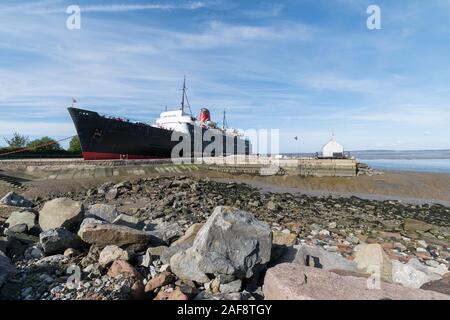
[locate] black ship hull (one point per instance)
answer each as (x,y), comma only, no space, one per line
(105,138)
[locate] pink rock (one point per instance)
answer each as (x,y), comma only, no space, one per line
(121,267)
(288,281)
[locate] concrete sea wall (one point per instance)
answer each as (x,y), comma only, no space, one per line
(76,168)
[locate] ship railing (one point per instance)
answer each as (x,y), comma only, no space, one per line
(121,119)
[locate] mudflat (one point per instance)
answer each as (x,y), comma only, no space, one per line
(408,186)
(413,187)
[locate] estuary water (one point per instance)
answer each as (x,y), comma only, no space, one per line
(418,165)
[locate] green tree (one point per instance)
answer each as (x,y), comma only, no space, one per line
(74,145)
(48,143)
(17,141)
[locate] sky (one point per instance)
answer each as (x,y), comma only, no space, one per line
(309,68)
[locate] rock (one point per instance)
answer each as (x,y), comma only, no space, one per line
(104,212)
(112,253)
(422,243)
(371,258)
(61,212)
(315,256)
(157,251)
(17,233)
(409,276)
(26,217)
(33,252)
(224,296)
(54,260)
(231,242)
(284,238)
(230,287)
(164,268)
(112,194)
(189,235)
(18,228)
(57,240)
(71,252)
(167,232)
(106,234)
(272,206)
(430,271)
(162,279)
(412,226)
(442,285)
(137,291)
(289,281)
(146,259)
(128,221)
(87,221)
(185,265)
(6,268)
(15,200)
(176,294)
(123,268)
(169,252)
(3,244)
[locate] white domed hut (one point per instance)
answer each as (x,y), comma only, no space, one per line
(332,149)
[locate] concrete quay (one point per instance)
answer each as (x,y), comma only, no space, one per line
(252,165)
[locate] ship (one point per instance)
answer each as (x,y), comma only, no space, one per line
(105,137)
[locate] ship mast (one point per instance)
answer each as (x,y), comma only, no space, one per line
(224,121)
(184,94)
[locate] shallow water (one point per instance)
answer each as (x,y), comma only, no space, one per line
(419,165)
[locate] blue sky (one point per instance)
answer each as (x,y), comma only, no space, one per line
(306,67)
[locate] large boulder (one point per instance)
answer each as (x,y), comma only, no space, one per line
(412,274)
(61,212)
(57,240)
(290,281)
(182,244)
(6,268)
(371,259)
(189,235)
(109,234)
(24,217)
(15,200)
(186,265)
(103,212)
(232,242)
(169,252)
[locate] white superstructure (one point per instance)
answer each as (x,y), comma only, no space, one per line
(177,120)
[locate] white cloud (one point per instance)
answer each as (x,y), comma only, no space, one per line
(57,6)
(37,128)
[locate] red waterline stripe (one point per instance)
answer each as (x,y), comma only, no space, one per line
(115,156)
